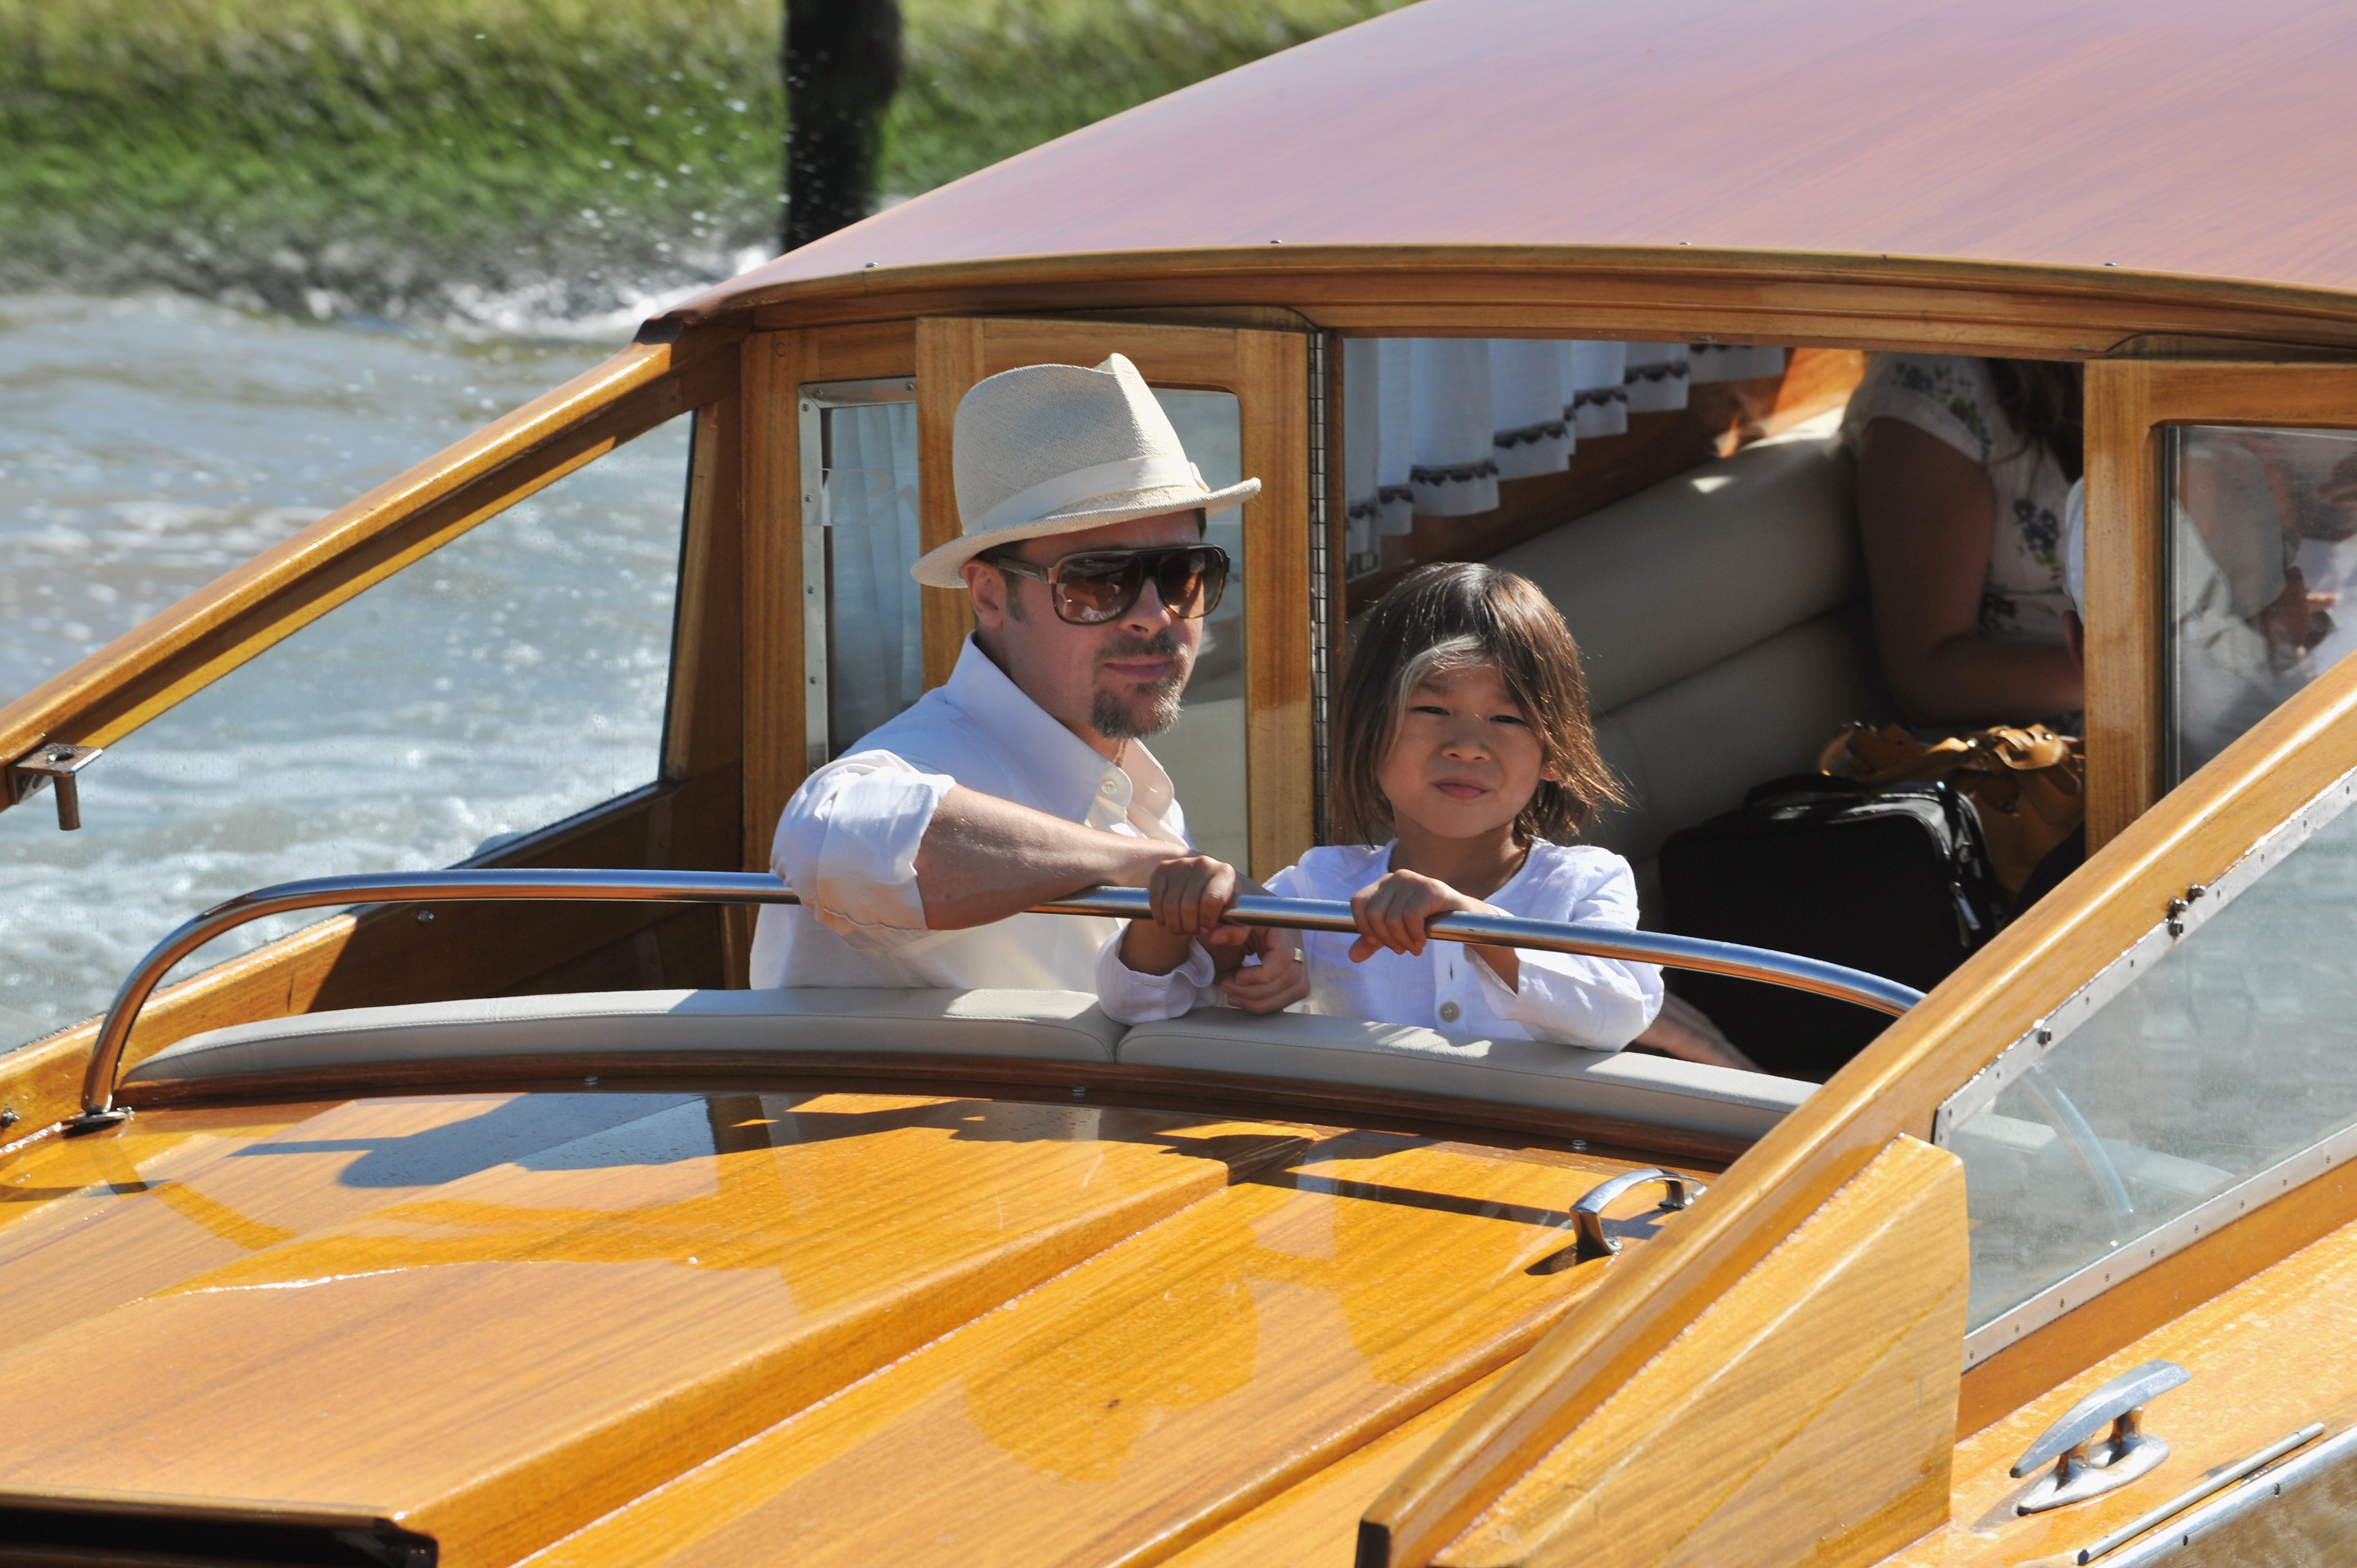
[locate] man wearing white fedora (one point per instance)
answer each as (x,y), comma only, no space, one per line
(1025,777)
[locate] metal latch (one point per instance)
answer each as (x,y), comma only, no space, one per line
(1587,1214)
(2085,1466)
(53,762)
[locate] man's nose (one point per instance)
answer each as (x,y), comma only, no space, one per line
(1149,614)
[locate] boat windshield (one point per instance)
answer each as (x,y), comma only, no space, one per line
(2211,1068)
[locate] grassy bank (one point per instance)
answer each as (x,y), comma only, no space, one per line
(407,155)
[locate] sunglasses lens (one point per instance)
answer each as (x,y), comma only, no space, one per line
(1189,580)
(1095,589)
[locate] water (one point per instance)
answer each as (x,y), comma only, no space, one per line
(148,445)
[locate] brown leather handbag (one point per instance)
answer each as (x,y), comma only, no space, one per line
(2030,785)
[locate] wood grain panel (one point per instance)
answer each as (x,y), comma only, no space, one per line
(1892,1088)
(950,360)
(1316,1524)
(1273,390)
(1790,1438)
(385,956)
(776,700)
(2268,1355)
(258,604)
(2123,613)
(1156,1392)
(704,718)
(638,1283)
(1268,374)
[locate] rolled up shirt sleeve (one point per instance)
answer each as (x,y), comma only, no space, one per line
(1130,997)
(1600,1002)
(847,842)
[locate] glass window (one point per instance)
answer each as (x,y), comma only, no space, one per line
(508,680)
(862,540)
(2262,562)
(2193,1063)
(1204,752)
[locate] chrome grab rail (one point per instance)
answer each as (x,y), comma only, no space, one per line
(1588,1215)
(746,887)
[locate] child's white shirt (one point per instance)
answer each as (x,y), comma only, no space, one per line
(1601,1004)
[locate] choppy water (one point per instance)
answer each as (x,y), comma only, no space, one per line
(148,445)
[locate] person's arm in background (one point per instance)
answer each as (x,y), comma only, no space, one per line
(1929,519)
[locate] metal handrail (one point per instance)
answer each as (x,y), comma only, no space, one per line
(746,887)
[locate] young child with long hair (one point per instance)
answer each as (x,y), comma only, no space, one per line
(1463,739)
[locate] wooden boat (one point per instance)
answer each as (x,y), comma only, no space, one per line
(628,1264)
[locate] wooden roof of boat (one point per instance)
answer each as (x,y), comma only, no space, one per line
(2162,136)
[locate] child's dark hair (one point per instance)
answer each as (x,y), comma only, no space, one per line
(1448,617)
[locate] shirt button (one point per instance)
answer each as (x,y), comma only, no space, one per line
(1108,788)
(1451,1012)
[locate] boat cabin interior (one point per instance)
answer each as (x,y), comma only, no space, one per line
(2114,1133)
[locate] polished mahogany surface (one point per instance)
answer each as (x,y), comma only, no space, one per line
(1160,1390)
(492,1318)
(2175,136)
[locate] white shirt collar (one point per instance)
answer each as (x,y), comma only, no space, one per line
(1062,766)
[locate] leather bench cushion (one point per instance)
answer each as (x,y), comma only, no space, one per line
(1630,1086)
(1057,1025)
(1689,751)
(1684,574)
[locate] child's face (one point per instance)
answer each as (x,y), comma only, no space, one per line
(1465,762)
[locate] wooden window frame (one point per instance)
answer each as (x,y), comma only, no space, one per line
(1267,371)
(2130,405)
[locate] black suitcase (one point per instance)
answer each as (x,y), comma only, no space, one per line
(1893,881)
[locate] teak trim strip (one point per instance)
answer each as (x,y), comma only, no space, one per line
(257,605)
(2129,403)
(1799,298)
(1893,1088)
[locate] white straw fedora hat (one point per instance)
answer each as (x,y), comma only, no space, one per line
(1058,449)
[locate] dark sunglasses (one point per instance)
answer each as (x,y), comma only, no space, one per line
(1098,585)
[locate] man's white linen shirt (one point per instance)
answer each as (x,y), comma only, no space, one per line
(847,842)
(1601,1004)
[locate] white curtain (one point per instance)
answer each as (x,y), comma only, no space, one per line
(1431,424)
(1599,393)
(868,506)
(1657,378)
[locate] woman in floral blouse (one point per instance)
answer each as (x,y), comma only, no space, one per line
(1964,465)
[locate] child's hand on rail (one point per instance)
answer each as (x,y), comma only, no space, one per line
(1394,911)
(1278,981)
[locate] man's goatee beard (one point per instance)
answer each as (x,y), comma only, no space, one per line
(1115,719)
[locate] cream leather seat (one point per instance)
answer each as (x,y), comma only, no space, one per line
(1054,1025)
(1629,1086)
(1050,1025)
(1721,617)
